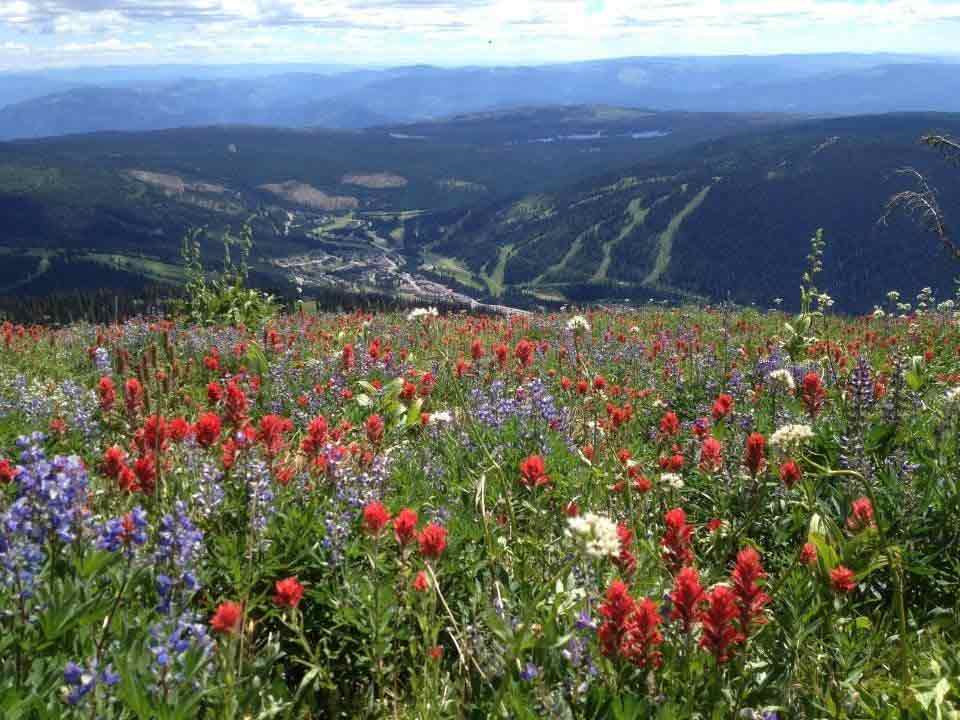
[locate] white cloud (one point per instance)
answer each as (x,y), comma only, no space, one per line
(452,30)
(108,46)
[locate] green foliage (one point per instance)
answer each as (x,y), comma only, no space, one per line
(223,297)
(801,333)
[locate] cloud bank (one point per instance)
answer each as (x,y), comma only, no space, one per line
(37,32)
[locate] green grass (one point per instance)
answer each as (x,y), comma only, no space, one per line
(495,279)
(453,267)
(665,241)
(636,215)
(149,268)
(570,254)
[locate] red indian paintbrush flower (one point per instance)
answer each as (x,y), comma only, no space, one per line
(288,592)
(271,433)
(214,393)
(154,434)
(711,455)
(861,515)
(113,461)
(374,428)
(375,518)
(433,541)
(676,541)
(641,636)
(812,393)
(533,472)
(227,618)
(421,583)
(790,473)
(405,526)
(842,579)
(7,472)
(347,357)
(207,429)
(146,471)
(313,443)
(524,353)
(107,393)
(625,560)
(476,350)
(722,406)
(133,395)
(615,609)
(808,554)
(750,597)
(669,424)
(754,456)
(630,628)
(718,620)
(686,596)
(178,428)
(236,405)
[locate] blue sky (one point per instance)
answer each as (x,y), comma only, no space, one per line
(39,33)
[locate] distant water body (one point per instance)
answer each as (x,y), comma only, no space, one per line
(601,135)
(573,137)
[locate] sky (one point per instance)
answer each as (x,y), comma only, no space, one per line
(45,33)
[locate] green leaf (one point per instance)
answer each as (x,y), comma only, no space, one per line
(413,413)
(914,380)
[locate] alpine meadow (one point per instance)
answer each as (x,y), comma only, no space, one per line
(467,359)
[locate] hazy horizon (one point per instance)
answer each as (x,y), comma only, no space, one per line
(298,66)
(41,34)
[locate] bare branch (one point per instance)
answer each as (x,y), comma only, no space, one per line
(949,147)
(923,205)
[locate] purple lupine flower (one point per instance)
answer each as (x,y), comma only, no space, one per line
(179,546)
(172,640)
(126,532)
(81,681)
(529,672)
(101,360)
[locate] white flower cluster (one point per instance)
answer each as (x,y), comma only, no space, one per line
(596,534)
(953,396)
(441,416)
(577,323)
(672,480)
(790,436)
(783,379)
(418,313)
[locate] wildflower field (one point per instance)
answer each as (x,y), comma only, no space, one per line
(666,513)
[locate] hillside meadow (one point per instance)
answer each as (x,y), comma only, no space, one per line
(658,513)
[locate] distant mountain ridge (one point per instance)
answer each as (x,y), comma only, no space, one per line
(65,103)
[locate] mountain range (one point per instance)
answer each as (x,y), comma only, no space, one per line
(51,103)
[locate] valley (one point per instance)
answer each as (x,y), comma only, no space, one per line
(719,207)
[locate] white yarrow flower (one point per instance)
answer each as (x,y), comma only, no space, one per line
(783,378)
(418,313)
(596,535)
(441,416)
(790,436)
(672,480)
(953,396)
(578,323)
